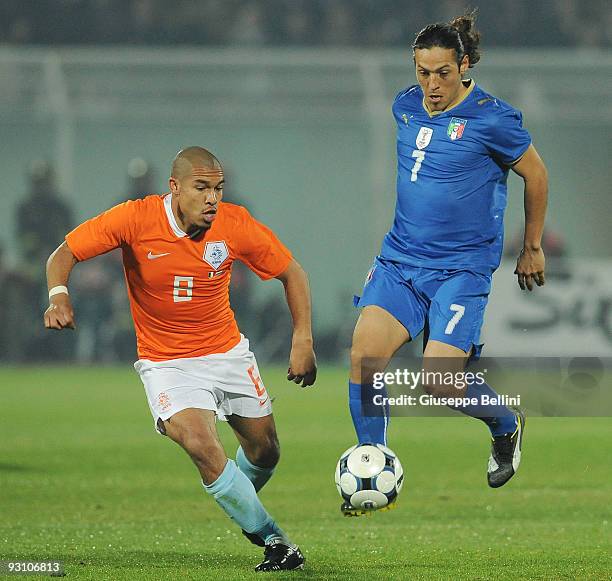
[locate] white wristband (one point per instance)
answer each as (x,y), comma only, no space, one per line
(56,290)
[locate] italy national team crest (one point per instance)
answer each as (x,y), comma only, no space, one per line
(424,137)
(456,127)
(215,253)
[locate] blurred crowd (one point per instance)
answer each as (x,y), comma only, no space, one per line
(358,23)
(105,332)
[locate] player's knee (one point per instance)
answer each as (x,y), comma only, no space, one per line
(365,362)
(438,390)
(361,351)
(267,454)
(206,454)
(360,355)
(429,388)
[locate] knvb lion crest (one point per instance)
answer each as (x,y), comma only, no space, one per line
(215,253)
(164,401)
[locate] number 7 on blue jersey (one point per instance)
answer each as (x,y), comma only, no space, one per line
(419,156)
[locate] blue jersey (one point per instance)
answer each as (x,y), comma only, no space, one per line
(451,181)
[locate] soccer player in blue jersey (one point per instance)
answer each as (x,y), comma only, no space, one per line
(456,144)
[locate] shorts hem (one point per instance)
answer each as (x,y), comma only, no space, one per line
(411,331)
(219,414)
(465,346)
(167,415)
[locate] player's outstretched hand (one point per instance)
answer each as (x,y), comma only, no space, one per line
(530,268)
(302,364)
(60,314)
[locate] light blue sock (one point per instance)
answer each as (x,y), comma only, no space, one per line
(258,475)
(235,494)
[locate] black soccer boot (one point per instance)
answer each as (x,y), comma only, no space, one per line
(348,509)
(506,453)
(279,556)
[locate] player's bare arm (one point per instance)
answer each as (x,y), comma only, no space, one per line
(531,263)
(60,315)
(302,361)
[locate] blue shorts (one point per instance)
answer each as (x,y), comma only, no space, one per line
(451,301)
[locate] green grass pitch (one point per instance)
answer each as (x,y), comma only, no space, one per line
(85,479)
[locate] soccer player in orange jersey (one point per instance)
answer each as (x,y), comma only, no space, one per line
(178,251)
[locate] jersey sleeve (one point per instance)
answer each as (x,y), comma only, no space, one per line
(260,249)
(507,140)
(109,230)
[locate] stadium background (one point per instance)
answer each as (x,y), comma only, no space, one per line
(294,97)
(302,123)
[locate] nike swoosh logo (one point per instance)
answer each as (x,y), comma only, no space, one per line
(263,403)
(152,256)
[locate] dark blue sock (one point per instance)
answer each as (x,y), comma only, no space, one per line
(500,419)
(370,420)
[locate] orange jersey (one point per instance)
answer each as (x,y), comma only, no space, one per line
(179,287)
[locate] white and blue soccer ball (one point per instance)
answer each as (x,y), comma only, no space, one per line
(369,476)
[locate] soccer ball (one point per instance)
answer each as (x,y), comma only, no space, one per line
(369,476)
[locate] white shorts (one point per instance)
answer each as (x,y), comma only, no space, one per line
(226,383)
